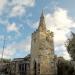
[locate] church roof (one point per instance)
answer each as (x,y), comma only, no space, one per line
(21,59)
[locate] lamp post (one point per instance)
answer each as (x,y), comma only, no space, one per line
(4,41)
(2,64)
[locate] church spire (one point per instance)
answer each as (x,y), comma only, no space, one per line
(42,25)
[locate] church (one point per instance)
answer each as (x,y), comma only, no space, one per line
(42,51)
(41,60)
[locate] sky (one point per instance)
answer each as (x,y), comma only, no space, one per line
(20,18)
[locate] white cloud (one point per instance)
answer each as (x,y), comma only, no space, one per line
(15,7)
(66,55)
(17,11)
(1,37)
(2,4)
(23,45)
(59,37)
(32,24)
(59,19)
(23,2)
(20,6)
(60,23)
(8,52)
(61,51)
(12,27)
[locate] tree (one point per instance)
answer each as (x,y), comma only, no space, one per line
(5,60)
(64,67)
(70,45)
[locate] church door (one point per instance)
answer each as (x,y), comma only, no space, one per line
(35,68)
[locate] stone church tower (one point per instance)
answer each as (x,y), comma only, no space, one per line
(42,51)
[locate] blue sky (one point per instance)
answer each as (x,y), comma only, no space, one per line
(19,18)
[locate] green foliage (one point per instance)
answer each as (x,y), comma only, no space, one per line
(5,60)
(65,67)
(70,45)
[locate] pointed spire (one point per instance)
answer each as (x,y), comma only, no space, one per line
(42,15)
(42,25)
